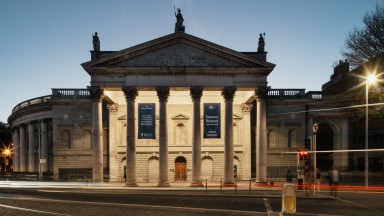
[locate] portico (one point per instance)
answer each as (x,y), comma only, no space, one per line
(179,73)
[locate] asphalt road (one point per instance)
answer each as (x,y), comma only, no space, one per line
(89,200)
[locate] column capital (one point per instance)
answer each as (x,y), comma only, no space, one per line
(130,93)
(162,93)
(246,108)
(96,92)
(261,92)
(228,92)
(196,92)
(113,108)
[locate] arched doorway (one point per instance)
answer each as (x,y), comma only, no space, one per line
(180,169)
(324,142)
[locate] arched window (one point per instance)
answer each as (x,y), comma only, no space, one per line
(272,139)
(65,139)
(292,138)
(87,139)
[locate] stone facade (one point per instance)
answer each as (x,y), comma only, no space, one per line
(90,133)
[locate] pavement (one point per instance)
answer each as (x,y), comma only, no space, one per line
(176,188)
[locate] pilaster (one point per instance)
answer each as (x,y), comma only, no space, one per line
(246,109)
(113,164)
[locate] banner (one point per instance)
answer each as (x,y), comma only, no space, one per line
(212,120)
(147,121)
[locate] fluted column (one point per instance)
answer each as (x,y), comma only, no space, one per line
(44,145)
(97,133)
(196,93)
(246,108)
(113,165)
(228,93)
(23,159)
(16,150)
(163,94)
(261,135)
(130,96)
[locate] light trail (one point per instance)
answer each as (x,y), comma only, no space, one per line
(328,109)
(336,151)
(32,210)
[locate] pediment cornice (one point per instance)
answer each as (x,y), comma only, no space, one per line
(126,61)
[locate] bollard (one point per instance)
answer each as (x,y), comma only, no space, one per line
(288,200)
(235,187)
(250,187)
(206,186)
(221,185)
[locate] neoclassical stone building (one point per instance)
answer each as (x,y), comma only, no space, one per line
(176,108)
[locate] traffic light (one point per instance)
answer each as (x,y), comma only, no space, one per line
(301,154)
(307,143)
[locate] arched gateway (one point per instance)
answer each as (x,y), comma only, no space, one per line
(178,73)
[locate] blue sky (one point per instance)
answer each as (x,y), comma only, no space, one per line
(43,42)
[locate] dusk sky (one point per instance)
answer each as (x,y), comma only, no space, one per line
(43,42)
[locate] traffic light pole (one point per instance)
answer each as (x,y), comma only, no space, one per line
(315,128)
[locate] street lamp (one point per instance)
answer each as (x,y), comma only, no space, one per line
(371,78)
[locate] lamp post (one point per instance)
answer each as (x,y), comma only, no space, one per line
(371,78)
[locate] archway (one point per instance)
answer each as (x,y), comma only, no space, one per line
(180,169)
(324,142)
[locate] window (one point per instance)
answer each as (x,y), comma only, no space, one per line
(65,139)
(272,139)
(292,138)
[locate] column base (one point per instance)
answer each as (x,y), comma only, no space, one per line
(229,184)
(196,184)
(261,183)
(163,184)
(134,184)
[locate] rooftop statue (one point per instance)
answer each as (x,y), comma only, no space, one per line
(179,27)
(261,43)
(96,42)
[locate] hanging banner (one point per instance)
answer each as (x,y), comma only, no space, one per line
(212,119)
(147,121)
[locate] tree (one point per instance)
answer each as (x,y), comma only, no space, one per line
(5,135)
(367,42)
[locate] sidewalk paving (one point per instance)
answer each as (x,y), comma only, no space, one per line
(176,188)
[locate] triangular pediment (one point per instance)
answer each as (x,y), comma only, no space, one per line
(177,50)
(180,117)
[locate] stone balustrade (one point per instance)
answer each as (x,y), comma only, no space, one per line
(293,94)
(71,94)
(30,102)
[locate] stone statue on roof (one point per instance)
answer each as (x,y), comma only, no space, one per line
(96,42)
(179,27)
(261,43)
